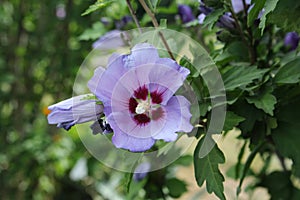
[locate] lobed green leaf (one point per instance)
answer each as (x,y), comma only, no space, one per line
(207,169)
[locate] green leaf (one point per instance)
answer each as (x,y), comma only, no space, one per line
(212,18)
(232,120)
(248,164)
(286,136)
(207,169)
(241,76)
(265,101)
(185,160)
(134,188)
(254,12)
(270,5)
(176,187)
(97,30)
(98,5)
(286,15)
(278,184)
(287,140)
(289,73)
(296,194)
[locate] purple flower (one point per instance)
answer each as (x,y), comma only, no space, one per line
(291,40)
(141,171)
(137,91)
(238,5)
(110,40)
(73,111)
(185,12)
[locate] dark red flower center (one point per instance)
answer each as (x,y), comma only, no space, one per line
(145,107)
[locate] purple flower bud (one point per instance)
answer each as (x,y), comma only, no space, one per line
(185,12)
(123,21)
(110,40)
(291,40)
(226,21)
(73,111)
(141,171)
(205,10)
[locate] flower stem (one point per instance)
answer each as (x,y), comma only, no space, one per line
(252,53)
(136,21)
(156,25)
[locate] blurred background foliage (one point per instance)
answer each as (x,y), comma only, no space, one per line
(39,57)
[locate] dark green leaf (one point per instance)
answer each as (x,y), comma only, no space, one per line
(265,101)
(207,169)
(241,76)
(254,12)
(248,164)
(232,120)
(296,194)
(287,140)
(278,184)
(270,5)
(286,136)
(289,73)
(176,187)
(286,15)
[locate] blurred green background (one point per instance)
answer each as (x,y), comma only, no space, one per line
(40,55)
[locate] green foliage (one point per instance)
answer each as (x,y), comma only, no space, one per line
(176,187)
(265,101)
(270,5)
(231,121)
(97,5)
(207,169)
(254,12)
(241,76)
(286,15)
(289,73)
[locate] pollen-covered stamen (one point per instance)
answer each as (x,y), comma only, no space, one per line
(143,107)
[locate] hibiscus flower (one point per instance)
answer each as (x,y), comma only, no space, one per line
(137,92)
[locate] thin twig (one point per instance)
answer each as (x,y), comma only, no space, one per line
(156,25)
(136,21)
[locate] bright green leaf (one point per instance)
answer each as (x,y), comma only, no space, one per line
(96,6)
(207,169)
(265,101)
(289,73)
